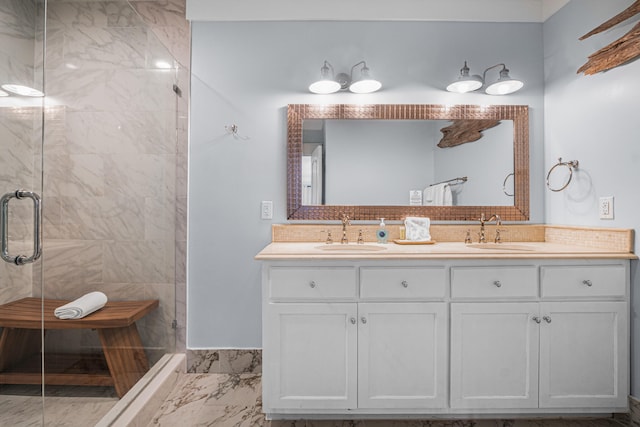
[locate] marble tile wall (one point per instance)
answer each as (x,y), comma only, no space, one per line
(17,20)
(634,412)
(115,161)
(224,361)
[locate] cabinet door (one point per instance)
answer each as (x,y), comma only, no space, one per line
(310,356)
(583,355)
(494,355)
(402,355)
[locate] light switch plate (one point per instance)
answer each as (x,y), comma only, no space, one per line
(266,209)
(606,207)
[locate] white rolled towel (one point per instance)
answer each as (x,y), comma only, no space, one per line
(81,307)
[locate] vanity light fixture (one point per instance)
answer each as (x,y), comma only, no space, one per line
(330,82)
(3,93)
(468,83)
(21,90)
(327,83)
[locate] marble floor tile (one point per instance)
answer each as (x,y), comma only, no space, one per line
(22,405)
(235,400)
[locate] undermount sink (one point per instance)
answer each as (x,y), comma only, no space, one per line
(501,246)
(351,248)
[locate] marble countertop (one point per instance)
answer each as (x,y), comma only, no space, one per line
(457,250)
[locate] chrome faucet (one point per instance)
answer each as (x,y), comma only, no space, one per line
(345,221)
(483,220)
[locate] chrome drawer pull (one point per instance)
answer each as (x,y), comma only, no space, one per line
(547,319)
(353,320)
(405,284)
(363,319)
(536,319)
(312,284)
(497,283)
(587,282)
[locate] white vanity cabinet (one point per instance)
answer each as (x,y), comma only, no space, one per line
(584,335)
(380,345)
(584,355)
(310,356)
(447,336)
(402,351)
(494,355)
(570,350)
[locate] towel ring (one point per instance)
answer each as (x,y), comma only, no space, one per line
(573,164)
(504,184)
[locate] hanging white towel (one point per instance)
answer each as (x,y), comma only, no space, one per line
(81,307)
(437,195)
(417,228)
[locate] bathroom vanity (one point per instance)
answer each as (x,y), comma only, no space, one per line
(445,330)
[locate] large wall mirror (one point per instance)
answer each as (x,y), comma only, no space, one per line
(398,160)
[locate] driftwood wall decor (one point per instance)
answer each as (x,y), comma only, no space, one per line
(623,50)
(463,131)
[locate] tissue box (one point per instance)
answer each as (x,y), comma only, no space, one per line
(417,228)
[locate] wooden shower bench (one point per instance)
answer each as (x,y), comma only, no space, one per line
(121,365)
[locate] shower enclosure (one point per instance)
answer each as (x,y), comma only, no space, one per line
(88,174)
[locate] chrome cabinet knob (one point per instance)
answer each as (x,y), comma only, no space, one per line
(363,319)
(536,319)
(312,284)
(497,283)
(353,320)
(405,284)
(547,319)
(587,282)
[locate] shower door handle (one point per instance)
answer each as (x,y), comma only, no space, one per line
(37,227)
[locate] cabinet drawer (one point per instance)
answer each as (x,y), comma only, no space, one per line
(402,283)
(584,281)
(312,283)
(494,282)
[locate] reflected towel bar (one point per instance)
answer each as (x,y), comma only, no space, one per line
(460,179)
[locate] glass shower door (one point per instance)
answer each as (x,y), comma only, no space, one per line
(21,143)
(102,151)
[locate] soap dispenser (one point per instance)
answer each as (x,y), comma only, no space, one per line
(381,234)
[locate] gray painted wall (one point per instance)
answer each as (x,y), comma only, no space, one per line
(595,120)
(246,74)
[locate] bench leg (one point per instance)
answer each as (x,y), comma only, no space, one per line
(17,345)
(125,356)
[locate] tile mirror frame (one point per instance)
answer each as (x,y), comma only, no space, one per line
(297,113)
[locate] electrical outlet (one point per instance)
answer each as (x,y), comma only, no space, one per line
(266,209)
(606,207)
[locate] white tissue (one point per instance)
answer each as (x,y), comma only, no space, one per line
(81,307)
(417,228)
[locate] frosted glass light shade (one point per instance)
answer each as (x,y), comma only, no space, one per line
(22,90)
(465,84)
(504,87)
(3,93)
(324,86)
(365,86)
